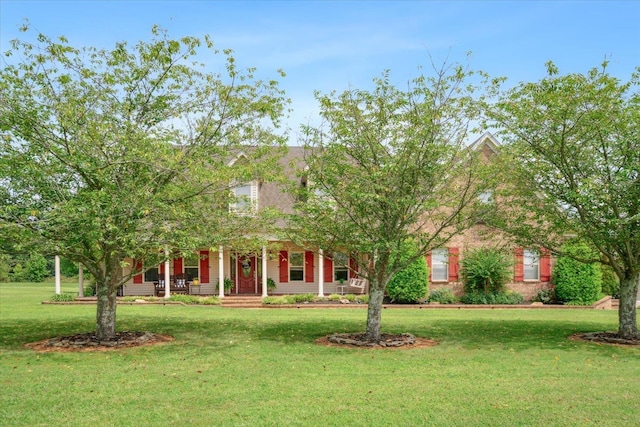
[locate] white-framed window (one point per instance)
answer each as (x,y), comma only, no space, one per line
(246,198)
(440,265)
(340,266)
(192,266)
(296,266)
(486,197)
(531,264)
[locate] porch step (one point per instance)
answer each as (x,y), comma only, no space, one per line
(242,301)
(615,304)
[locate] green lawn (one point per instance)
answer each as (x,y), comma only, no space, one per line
(248,367)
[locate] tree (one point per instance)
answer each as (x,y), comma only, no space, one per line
(110,155)
(389,166)
(571,149)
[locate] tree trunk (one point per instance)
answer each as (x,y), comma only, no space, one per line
(374,313)
(106,312)
(627,324)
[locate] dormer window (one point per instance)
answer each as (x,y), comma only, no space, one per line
(246,198)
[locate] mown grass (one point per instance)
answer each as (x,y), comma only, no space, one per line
(247,367)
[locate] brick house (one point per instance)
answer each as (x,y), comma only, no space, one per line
(294,269)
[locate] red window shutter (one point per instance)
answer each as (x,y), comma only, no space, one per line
(162,269)
(429,263)
(138,277)
(177,266)
(284,267)
(545,265)
(453,264)
(204,266)
(519,265)
(328,270)
(353,268)
(308,267)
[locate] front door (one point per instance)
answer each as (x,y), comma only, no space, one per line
(246,274)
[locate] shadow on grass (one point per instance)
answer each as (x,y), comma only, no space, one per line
(220,328)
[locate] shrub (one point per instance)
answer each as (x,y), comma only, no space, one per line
(442,296)
(577,282)
(273,300)
(195,299)
(485,270)
(36,269)
(349,297)
(19,273)
(335,297)
(63,297)
(298,298)
(492,298)
(90,290)
(409,285)
(362,299)
(545,296)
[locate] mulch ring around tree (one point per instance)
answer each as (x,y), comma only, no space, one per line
(609,337)
(387,341)
(90,342)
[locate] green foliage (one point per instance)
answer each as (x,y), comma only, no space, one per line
(5,268)
(545,296)
(112,154)
(195,299)
(90,290)
(68,268)
(410,284)
(575,281)
(580,137)
(298,298)
(381,163)
(485,270)
(362,299)
(334,297)
(508,298)
(228,284)
(18,273)
(36,269)
(271,284)
(442,296)
(610,281)
(349,297)
(62,297)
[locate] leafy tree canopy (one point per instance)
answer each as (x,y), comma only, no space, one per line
(109,154)
(388,166)
(572,167)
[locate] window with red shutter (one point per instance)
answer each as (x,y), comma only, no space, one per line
(308,267)
(284,266)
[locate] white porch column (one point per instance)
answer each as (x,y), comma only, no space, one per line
(264,272)
(320,273)
(80,281)
(221,271)
(57,270)
(167,276)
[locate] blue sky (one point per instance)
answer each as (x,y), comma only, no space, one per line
(335,45)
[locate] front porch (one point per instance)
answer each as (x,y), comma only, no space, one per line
(287,270)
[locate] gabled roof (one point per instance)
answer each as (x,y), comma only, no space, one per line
(486,141)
